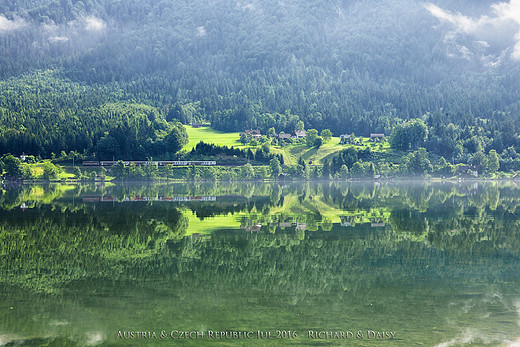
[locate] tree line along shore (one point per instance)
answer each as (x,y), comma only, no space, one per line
(249,155)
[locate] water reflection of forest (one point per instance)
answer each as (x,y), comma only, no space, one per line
(52,235)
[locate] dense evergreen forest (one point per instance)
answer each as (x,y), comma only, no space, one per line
(112,77)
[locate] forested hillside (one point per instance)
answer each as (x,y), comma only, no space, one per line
(73,71)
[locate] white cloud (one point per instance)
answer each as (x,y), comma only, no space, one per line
(75,31)
(50,27)
(465,52)
(508,10)
(7,25)
(58,39)
(464,23)
(201,31)
(516,50)
(500,27)
(94,24)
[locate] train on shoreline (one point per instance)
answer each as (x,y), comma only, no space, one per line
(146,162)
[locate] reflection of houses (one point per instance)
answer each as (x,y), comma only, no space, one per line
(345,221)
(377,137)
(251,228)
(345,139)
(296,225)
(361,219)
(108,198)
(301,226)
(377,222)
(253,134)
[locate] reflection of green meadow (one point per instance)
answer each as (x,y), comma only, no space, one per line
(429,261)
(56,221)
(443,263)
(211,224)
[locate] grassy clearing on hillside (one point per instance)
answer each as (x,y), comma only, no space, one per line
(291,153)
(318,155)
(208,135)
(294,151)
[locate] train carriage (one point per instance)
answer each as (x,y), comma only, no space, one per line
(145,162)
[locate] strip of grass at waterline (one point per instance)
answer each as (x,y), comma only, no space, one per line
(37,171)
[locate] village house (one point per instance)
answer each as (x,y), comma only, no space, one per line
(299,134)
(345,139)
(377,137)
(253,134)
(467,170)
(463,168)
(284,136)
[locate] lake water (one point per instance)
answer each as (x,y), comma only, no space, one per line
(256,264)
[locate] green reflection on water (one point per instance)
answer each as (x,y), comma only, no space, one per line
(438,264)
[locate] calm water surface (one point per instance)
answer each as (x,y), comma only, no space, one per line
(308,264)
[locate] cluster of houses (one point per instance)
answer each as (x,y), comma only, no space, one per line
(347,139)
(300,134)
(257,226)
(468,170)
(256,134)
(297,134)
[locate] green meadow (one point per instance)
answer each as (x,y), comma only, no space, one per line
(209,135)
(291,152)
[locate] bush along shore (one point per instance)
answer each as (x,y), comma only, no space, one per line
(348,164)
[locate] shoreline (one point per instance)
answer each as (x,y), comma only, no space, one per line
(289,180)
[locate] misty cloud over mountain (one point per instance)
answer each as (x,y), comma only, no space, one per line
(492,37)
(343,64)
(8,25)
(336,33)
